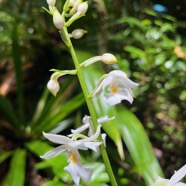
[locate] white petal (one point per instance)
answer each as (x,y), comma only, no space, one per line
(86,119)
(102,84)
(104,119)
(180,184)
(93,137)
(92,145)
(112,99)
(73,171)
(178,175)
(129,83)
(59,139)
(107,81)
(104,138)
(162,180)
(84,173)
(56,151)
(118,73)
(126,94)
(80,129)
(78,171)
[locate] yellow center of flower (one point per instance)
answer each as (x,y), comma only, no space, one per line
(114,89)
(73,158)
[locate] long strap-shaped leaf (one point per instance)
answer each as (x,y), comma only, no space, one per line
(138,145)
(16,175)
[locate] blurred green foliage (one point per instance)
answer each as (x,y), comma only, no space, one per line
(148,47)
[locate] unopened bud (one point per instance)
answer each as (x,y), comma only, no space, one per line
(71,2)
(53,86)
(108,58)
(78,33)
(51,2)
(82,8)
(58,20)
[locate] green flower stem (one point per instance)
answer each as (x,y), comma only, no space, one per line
(90,106)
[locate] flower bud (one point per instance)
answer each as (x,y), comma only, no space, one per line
(108,58)
(78,33)
(51,2)
(53,86)
(58,20)
(71,3)
(82,8)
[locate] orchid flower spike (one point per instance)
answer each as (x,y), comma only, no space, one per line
(174,180)
(106,58)
(116,86)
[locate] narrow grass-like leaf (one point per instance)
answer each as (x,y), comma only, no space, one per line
(138,145)
(16,54)
(16,175)
(8,111)
(4,156)
(53,118)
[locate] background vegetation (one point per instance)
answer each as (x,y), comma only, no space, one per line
(150,48)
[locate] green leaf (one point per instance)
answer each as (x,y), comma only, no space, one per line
(57,163)
(57,115)
(8,111)
(138,145)
(4,156)
(16,175)
(53,183)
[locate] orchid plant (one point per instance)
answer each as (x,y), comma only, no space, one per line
(115,87)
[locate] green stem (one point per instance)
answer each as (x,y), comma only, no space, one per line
(90,106)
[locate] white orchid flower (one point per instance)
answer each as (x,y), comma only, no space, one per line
(174,180)
(71,146)
(116,86)
(67,144)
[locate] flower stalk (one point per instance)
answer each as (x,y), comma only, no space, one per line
(90,106)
